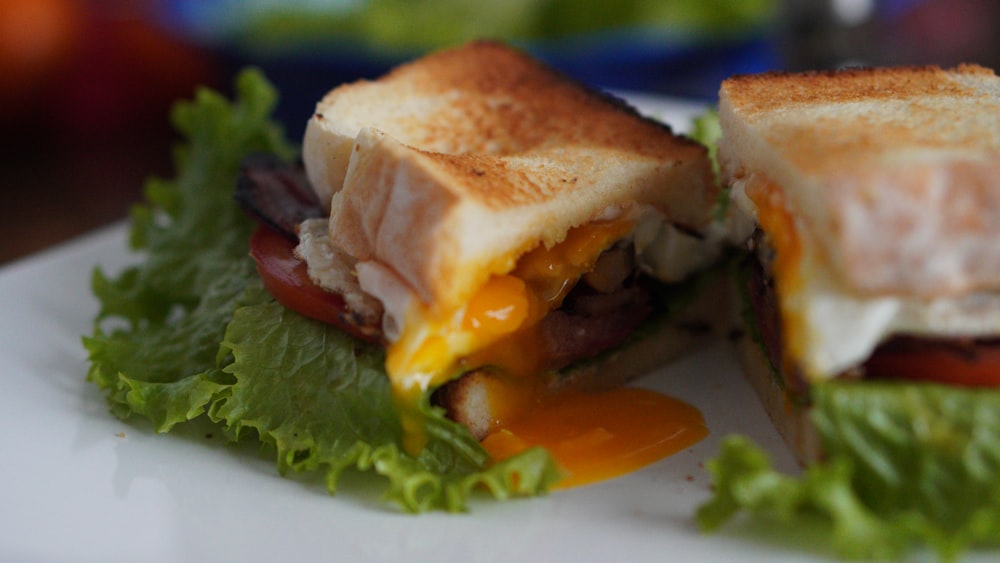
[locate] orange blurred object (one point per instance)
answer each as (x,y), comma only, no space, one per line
(125,77)
(37,40)
(79,70)
(85,93)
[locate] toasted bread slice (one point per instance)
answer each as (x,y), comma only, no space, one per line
(482,98)
(444,223)
(448,168)
(894,171)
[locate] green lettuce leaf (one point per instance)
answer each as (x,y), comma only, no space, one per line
(322,400)
(904,465)
(175,305)
(387,25)
(189,333)
(707,130)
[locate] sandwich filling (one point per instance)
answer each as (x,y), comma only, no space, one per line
(495,327)
(495,362)
(828,329)
(507,326)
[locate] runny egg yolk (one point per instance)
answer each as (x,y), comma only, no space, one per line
(778,222)
(437,346)
(501,307)
(598,436)
(591,436)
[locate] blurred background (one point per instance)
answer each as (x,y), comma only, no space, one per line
(87,84)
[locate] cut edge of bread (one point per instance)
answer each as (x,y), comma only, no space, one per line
(445,223)
(895,171)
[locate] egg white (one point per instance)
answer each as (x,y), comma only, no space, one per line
(833,328)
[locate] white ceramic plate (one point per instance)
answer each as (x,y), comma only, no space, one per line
(77,484)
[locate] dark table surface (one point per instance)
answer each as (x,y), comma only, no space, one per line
(84,107)
(57,193)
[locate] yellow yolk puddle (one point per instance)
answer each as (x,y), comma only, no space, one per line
(599,436)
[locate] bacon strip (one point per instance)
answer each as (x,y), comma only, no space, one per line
(592,323)
(277,193)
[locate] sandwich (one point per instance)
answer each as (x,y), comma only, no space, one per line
(493,223)
(870,308)
(467,240)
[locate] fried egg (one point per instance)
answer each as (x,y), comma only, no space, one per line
(827,327)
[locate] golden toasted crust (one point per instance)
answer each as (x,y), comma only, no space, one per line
(896,171)
(770,91)
(458,162)
(501,101)
(482,98)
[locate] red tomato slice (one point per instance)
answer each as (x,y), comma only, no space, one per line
(286,278)
(965,363)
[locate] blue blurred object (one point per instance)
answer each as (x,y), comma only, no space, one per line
(667,62)
(685,71)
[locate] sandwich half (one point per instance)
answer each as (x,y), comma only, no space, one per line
(870,319)
(502,231)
